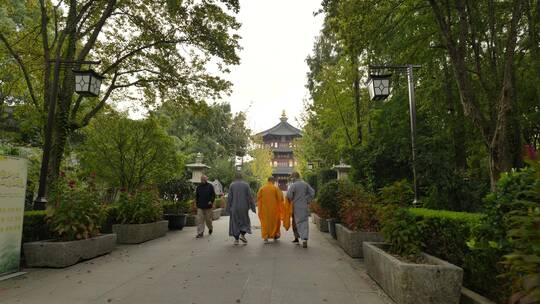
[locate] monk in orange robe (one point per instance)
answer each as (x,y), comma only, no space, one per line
(270,205)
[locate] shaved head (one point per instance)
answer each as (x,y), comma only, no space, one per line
(295,175)
(271,179)
(204,179)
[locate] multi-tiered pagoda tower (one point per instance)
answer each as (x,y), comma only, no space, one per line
(280,140)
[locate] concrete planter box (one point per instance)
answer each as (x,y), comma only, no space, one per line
(470,297)
(436,283)
(63,254)
(191,220)
(351,241)
(332,227)
(216,214)
(140,233)
(321,223)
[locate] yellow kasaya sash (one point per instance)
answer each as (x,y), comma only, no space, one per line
(286,213)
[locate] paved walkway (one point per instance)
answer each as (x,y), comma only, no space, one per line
(181,269)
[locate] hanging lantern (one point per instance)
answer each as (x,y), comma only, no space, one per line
(87,83)
(379,86)
(310,165)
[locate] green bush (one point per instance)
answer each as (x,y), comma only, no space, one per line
(35,226)
(144,206)
(447,235)
(75,211)
(523,263)
(399,193)
(332,195)
(177,207)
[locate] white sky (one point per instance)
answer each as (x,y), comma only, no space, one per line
(277,36)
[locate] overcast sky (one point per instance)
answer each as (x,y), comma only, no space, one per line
(277,36)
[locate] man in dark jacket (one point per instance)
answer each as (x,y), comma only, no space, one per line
(204,198)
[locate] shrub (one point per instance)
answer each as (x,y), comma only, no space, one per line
(316,208)
(35,226)
(446,234)
(177,190)
(327,198)
(399,193)
(141,207)
(523,264)
(404,234)
(360,212)
(75,211)
(176,207)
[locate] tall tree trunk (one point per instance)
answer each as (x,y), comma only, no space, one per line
(458,128)
(356,77)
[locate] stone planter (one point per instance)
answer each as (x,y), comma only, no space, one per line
(438,282)
(176,221)
(140,233)
(216,214)
(321,223)
(63,254)
(351,241)
(191,220)
(332,227)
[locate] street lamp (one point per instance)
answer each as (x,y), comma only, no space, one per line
(238,167)
(310,166)
(379,87)
(87,83)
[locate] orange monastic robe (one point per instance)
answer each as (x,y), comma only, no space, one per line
(269,204)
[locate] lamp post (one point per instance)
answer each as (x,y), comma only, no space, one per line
(310,166)
(87,83)
(379,87)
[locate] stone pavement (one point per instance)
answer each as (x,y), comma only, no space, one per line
(181,269)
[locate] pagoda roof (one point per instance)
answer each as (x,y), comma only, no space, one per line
(283,128)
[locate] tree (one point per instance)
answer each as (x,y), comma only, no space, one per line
(129,153)
(160,48)
(260,164)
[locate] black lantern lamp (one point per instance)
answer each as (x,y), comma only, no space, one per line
(238,168)
(379,86)
(87,83)
(310,165)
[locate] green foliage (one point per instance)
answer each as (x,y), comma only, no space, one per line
(447,235)
(177,190)
(359,213)
(75,211)
(262,158)
(332,195)
(140,207)
(35,226)
(176,207)
(399,193)
(128,153)
(523,263)
(403,234)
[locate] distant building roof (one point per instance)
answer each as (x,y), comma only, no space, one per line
(282,149)
(283,128)
(282,170)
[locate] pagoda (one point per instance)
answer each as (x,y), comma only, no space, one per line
(280,139)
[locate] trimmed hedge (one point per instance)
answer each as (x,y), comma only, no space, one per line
(35,226)
(445,235)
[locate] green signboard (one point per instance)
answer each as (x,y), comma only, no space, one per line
(12,192)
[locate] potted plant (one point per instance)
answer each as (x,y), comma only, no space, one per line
(359,224)
(139,217)
(74,216)
(216,213)
(175,212)
(404,272)
(327,200)
(191,217)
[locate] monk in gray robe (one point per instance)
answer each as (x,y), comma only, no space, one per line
(239,202)
(300,194)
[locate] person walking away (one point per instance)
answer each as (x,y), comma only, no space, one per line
(269,200)
(204,198)
(300,194)
(239,202)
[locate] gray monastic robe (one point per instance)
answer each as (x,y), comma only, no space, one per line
(300,194)
(239,202)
